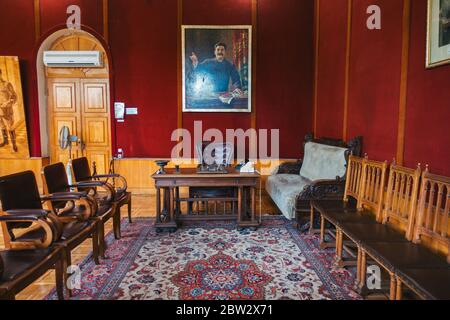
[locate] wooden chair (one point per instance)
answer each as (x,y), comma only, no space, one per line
(399,256)
(432,229)
(337,212)
(82,173)
(20,268)
(19,192)
(369,206)
(330,209)
(219,153)
(55,181)
(397,217)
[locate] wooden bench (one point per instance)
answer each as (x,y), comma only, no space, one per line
(384,222)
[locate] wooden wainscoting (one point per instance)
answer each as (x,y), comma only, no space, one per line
(10,166)
(138,172)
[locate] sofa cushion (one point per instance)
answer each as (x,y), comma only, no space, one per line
(323,162)
(284,189)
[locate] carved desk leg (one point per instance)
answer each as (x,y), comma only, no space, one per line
(165,218)
(158,205)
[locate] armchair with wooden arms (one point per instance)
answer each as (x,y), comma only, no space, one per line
(20,200)
(72,227)
(56,181)
(20,268)
(82,174)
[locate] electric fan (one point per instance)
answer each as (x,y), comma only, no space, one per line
(65,142)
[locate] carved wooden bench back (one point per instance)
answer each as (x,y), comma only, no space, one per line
(353,180)
(372,187)
(433,211)
(401,198)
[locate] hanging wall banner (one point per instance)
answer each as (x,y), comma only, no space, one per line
(13,129)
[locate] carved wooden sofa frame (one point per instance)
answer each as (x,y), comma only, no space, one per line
(321,189)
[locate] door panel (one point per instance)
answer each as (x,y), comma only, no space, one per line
(83,106)
(63,110)
(96,131)
(96,122)
(95,96)
(101,159)
(64,97)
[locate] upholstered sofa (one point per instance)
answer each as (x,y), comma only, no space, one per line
(320,175)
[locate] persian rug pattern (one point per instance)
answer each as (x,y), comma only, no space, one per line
(214,261)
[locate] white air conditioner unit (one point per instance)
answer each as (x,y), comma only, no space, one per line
(73,59)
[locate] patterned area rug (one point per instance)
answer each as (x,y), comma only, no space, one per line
(214,261)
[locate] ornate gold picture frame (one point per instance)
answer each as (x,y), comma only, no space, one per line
(217,68)
(13,128)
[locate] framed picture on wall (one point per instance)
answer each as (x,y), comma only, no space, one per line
(217,68)
(438,39)
(13,128)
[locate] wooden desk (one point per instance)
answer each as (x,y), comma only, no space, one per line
(169,213)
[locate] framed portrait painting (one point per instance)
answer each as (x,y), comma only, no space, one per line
(438,39)
(217,68)
(13,128)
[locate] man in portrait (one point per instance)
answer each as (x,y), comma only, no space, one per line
(216,74)
(8,99)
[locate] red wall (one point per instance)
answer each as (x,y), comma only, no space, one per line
(374,90)
(374,84)
(143,40)
(143,43)
(331,59)
(217,12)
(285,71)
(427,136)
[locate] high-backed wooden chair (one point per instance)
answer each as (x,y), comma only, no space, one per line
(330,209)
(19,196)
(432,228)
(336,212)
(209,153)
(370,205)
(400,213)
(398,210)
(55,181)
(82,173)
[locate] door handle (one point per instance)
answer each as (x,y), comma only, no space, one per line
(81,144)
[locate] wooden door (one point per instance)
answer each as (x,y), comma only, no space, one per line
(63,110)
(83,106)
(95,122)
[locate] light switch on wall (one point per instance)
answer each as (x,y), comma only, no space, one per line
(132,111)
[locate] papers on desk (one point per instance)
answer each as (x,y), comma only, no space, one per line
(248,168)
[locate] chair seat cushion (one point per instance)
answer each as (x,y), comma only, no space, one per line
(70,230)
(403,255)
(362,233)
(122,196)
(17,262)
(73,229)
(324,206)
(284,189)
(431,284)
(339,217)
